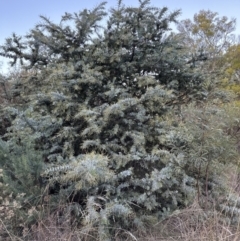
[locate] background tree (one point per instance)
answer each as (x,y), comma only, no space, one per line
(232,60)
(230,64)
(208,33)
(208,36)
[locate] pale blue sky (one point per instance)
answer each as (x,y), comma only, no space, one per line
(21,15)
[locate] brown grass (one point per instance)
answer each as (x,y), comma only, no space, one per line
(191,224)
(194,224)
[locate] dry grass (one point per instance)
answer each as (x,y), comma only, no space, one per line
(194,224)
(191,224)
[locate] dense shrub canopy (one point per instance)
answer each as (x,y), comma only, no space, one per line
(96,101)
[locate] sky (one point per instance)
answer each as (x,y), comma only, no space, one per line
(20,16)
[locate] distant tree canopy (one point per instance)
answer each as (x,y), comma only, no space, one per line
(209,36)
(208,32)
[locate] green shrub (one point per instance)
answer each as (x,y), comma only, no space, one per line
(103,108)
(20,186)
